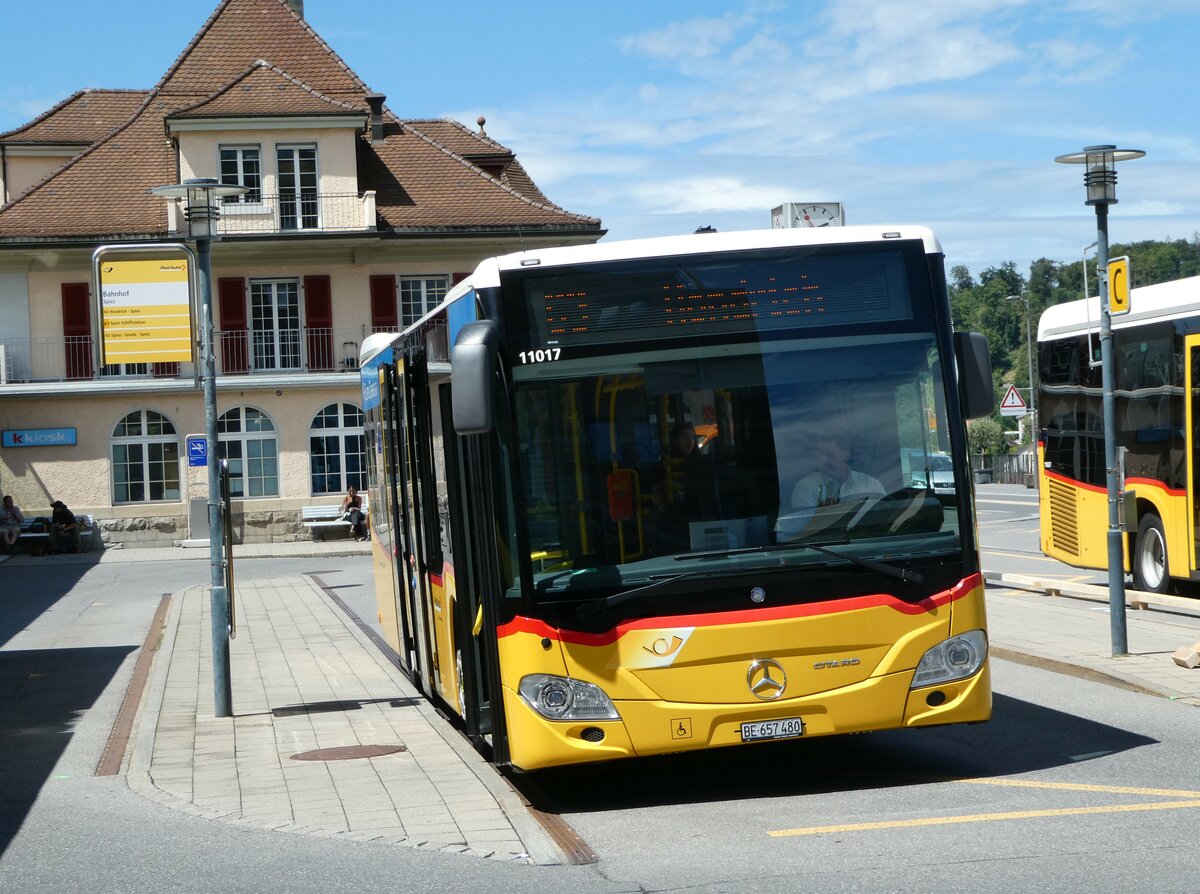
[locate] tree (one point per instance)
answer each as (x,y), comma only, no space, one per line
(986,436)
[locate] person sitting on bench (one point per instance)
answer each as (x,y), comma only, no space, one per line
(10,523)
(352,512)
(63,523)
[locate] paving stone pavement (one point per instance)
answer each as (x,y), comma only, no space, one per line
(304,677)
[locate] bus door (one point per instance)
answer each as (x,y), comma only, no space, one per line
(469,636)
(394,490)
(411,367)
(481,498)
(1192,439)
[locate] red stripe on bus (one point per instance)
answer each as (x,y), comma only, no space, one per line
(435,579)
(1071,481)
(1171,491)
(521,624)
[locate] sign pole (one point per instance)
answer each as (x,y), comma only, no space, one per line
(202,212)
(218,596)
(1116,552)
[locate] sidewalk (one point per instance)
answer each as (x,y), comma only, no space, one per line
(305,678)
(1075,631)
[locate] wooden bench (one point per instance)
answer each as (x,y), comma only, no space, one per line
(37,541)
(317,517)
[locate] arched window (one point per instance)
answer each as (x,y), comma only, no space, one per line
(145,456)
(247,440)
(337,449)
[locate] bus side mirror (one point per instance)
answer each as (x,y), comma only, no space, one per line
(974,374)
(472,361)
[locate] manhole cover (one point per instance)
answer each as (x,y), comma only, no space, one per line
(348,752)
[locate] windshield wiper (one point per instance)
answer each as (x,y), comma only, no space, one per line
(894,571)
(595,606)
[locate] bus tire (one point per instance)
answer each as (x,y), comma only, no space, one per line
(1151,572)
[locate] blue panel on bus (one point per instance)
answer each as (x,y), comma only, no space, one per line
(637,447)
(369,374)
(459,314)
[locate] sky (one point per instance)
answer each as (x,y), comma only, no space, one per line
(660,116)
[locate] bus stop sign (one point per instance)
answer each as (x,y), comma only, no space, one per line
(1118,286)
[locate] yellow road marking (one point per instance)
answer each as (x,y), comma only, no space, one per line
(986,818)
(997,552)
(1084,787)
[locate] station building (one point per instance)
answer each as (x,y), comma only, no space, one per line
(354,221)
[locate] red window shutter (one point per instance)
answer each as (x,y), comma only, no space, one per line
(318,317)
(165,370)
(77,329)
(231,295)
(384,316)
(456,278)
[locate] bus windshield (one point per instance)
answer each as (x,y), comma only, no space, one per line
(716,460)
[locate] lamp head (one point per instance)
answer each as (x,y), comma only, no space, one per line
(200,202)
(1100,170)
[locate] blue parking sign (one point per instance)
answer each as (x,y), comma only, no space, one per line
(197,450)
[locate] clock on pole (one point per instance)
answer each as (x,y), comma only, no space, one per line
(808,214)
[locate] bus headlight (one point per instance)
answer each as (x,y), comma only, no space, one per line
(564,698)
(952,659)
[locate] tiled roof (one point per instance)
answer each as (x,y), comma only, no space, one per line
(265,90)
(438,189)
(81,118)
(104,191)
(420,181)
(479,149)
(241,31)
(457,138)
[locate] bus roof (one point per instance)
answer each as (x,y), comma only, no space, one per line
(488,273)
(373,344)
(1164,301)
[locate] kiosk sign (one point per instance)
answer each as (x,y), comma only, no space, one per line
(145,304)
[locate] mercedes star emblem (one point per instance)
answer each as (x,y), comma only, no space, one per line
(766,679)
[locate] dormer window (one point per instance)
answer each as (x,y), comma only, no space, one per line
(242,166)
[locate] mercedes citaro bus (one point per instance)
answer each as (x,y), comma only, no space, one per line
(555,572)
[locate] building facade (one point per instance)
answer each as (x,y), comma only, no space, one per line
(353,221)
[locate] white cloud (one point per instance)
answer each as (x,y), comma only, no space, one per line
(916,111)
(696,194)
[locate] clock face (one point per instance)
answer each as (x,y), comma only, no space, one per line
(823,215)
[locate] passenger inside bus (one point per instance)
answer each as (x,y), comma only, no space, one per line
(680,493)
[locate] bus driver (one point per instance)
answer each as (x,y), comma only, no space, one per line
(834,480)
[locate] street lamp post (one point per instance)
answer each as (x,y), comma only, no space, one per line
(202,211)
(1029,357)
(1100,180)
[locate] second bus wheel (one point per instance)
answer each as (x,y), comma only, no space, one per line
(1150,568)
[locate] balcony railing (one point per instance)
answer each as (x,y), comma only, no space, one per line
(289,213)
(239,352)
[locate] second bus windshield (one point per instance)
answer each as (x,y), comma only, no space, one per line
(658,461)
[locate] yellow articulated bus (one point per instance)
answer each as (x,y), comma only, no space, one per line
(1156,351)
(674,494)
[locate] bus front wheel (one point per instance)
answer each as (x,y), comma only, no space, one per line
(1150,569)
